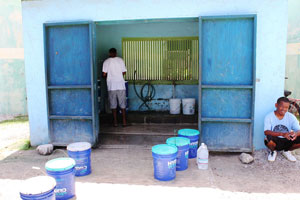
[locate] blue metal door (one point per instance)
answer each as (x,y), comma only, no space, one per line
(71,83)
(227,80)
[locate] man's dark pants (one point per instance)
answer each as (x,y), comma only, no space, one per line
(282,143)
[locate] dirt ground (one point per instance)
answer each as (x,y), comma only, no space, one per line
(128,174)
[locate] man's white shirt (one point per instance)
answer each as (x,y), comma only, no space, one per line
(114,67)
(286,124)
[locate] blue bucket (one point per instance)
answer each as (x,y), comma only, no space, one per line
(183,145)
(193,135)
(164,161)
(81,153)
(38,188)
(62,169)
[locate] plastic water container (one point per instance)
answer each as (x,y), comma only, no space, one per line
(193,135)
(202,157)
(81,153)
(175,106)
(38,188)
(188,106)
(164,161)
(182,158)
(63,170)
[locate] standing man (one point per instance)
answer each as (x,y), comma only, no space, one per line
(114,69)
(282,131)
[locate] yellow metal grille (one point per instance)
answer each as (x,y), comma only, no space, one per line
(161,58)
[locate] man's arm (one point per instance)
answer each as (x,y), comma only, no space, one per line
(276,134)
(123,68)
(297,134)
(104,74)
(294,135)
(295,128)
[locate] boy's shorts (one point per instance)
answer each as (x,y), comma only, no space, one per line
(281,143)
(115,96)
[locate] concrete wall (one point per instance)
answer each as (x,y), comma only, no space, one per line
(12,70)
(109,36)
(293,49)
(270,52)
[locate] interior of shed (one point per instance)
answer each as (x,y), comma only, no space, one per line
(162,61)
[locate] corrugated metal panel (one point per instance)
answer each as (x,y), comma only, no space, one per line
(161,58)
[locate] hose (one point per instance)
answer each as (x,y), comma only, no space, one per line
(150,93)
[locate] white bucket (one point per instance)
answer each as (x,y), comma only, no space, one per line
(40,187)
(188,106)
(175,106)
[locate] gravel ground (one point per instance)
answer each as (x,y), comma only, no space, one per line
(12,132)
(128,174)
(6,117)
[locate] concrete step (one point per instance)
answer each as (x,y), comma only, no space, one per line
(151,117)
(124,146)
(140,134)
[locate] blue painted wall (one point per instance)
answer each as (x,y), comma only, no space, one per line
(163,93)
(271,43)
(110,35)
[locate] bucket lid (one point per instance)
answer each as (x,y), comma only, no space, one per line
(189,99)
(178,141)
(164,149)
(175,100)
(37,185)
(79,146)
(60,164)
(188,132)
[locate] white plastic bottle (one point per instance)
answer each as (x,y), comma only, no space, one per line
(202,157)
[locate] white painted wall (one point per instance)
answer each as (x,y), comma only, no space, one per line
(293,49)
(270,53)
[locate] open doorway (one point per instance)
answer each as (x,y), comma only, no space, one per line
(162,60)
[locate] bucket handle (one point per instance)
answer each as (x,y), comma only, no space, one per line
(175,134)
(51,156)
(38,168)
(33,168)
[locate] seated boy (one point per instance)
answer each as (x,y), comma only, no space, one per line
(282,131)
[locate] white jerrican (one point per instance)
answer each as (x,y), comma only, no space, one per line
(202,157)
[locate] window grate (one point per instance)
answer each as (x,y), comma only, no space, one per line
(161,58)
